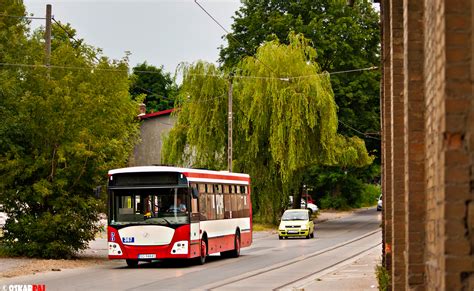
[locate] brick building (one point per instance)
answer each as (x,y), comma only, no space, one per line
(428,143)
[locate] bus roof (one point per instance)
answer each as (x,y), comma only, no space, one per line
(193,175)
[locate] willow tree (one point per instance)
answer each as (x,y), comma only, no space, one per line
(198,138)
(285,120)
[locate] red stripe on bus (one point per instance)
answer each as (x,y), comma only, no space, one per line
(213,176)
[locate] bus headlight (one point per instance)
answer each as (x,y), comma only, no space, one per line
(114,249)
(180,248)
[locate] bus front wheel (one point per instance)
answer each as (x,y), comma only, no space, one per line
(202,257)
(132,263)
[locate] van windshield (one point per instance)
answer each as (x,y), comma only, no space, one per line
(295,215)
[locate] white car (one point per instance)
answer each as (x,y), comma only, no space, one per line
(3,219)
(379,204)
(311,206)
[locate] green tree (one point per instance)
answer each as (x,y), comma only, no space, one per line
(158,87)
(284,122)
(61,130)
(346,37)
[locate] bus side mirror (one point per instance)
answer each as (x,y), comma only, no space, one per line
(97,191)
(195,193)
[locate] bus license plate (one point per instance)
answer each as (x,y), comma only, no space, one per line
(147,256)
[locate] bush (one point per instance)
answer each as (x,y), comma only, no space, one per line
(344,188)
(67,227)
(338,202)
(369,195)
(383,277)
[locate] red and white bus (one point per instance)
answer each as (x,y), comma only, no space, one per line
(158,212)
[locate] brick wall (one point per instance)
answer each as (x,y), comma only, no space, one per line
(414,123)
(458,97)
(470,142)
(434,85)
(398,145)
(386,138)
(428,143)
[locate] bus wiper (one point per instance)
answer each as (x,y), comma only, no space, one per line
(166,220)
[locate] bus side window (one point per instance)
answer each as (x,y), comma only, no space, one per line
(194,205)
(203,206)
(227,206)
(202,202)
(211,206)
(195,216)
(235,205)
(246,206)
(220,206)
(209,188)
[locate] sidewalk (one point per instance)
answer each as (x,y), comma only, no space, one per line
(359,274)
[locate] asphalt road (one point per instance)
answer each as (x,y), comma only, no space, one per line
(268,264)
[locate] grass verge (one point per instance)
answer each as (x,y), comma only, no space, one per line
(263,226)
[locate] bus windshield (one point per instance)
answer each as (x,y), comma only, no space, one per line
(163,206)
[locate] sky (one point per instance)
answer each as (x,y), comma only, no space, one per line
(160,32)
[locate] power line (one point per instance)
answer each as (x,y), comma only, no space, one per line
(215,20)
(206,100)
(234,38)
(62,67)
(146,90)
(238,107)
(204,75)
(355,70)
(290,78)
(358,131)
(76,41)
(71,36)
(22,16)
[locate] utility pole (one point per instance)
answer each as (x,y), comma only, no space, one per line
(229,127)
(47,37)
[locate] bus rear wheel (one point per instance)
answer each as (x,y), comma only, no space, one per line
(132,263)
(235,253)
